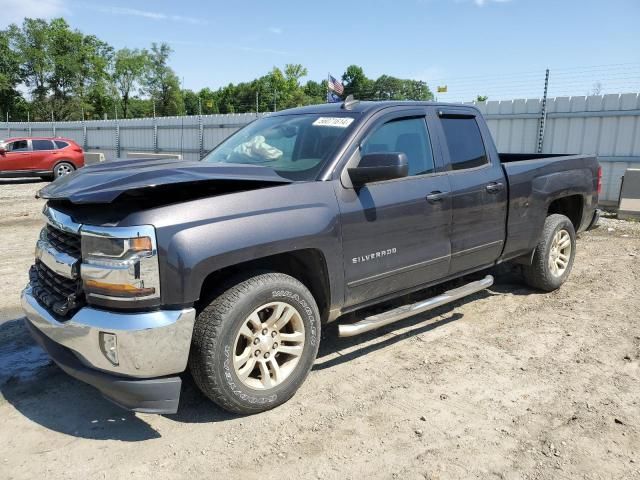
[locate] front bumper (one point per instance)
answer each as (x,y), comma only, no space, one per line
(153,347)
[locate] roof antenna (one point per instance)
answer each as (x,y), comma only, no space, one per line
(349,102)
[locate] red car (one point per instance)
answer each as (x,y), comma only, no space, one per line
(39,157)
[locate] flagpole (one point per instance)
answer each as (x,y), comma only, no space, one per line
(326,97)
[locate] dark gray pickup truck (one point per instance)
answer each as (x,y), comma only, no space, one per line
(231,265)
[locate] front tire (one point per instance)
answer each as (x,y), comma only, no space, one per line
(554,255)
(254,345)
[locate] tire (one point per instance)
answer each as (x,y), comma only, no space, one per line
(220,337)
(63,168)
(540,274)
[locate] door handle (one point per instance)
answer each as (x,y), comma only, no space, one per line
(495,187)
(435,197)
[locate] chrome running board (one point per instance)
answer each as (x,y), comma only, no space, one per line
(376,321)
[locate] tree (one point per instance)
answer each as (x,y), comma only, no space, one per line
(315,92)
(70,75)
(481,98)
(78,79)
(191,102)
(33,42)
(65,70)
(10,72)
(357,84)
(94,85)
(128,71)
(161,82)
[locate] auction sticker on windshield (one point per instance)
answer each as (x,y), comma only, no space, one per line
(340,122)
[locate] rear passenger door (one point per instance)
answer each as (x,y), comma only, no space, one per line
(43,155)
(479,193)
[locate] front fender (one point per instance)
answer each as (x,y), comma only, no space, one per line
(247,226)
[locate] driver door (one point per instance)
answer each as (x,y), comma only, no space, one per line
(17,156)
(395,233)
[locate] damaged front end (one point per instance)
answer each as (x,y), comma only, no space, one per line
(156,182)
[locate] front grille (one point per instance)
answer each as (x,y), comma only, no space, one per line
(63,241)
(56,293)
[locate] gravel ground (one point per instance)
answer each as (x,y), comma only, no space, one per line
(508,383)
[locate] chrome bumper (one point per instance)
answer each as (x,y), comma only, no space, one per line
(150,344)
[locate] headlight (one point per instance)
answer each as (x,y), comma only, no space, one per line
(120,263)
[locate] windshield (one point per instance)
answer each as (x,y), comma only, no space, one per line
(295,146)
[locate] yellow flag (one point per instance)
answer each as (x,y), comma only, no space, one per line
(442,89)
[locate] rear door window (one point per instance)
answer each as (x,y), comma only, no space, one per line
(61,144)
(42,144)
(466,148)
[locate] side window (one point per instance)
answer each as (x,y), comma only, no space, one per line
(61,144)
(406,135)
(42,144)
(466,148)
(18,146)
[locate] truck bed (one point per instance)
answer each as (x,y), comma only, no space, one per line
(531,179)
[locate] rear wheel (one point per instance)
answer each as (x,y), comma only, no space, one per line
(254,345)
(554,255)
(62,169)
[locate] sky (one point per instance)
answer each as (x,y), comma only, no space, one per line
(499,48)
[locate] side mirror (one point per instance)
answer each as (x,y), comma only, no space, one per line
(376,167)
(3,150)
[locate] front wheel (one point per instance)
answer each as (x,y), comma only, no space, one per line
(554,255)
(254,345)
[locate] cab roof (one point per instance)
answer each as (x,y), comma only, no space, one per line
(364,107)
(13,139)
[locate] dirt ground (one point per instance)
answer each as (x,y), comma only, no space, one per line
(508,384)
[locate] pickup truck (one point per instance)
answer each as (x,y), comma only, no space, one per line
(230,266)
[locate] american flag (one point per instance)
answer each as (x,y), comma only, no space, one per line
(336,85)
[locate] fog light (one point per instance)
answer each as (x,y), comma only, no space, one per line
(109,347)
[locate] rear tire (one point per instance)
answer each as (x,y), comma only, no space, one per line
(63,168)
(239,366)
(554,255)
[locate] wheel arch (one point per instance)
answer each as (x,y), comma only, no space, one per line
(571,206)
(308,266)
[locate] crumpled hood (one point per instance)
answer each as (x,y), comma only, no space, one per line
(104,182)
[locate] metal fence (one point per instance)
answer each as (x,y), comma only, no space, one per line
(192,136)
(606,125)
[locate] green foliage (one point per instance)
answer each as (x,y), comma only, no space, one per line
(64,70)
(482,98)
(70,75)
(384,87)
(129,68)
(11,75)
(161,83)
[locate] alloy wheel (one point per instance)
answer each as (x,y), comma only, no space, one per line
(269,345)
